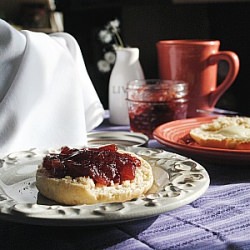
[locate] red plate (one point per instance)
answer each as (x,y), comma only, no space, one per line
(171,134)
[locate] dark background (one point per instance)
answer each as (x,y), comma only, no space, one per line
(144,22)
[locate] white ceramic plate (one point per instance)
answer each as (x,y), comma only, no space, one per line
(117,137)
(178,181)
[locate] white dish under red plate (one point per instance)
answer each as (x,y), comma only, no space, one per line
(175,135)
(178,180)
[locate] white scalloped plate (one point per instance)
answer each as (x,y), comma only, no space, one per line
(178,181)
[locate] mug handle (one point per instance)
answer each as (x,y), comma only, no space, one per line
(233,61)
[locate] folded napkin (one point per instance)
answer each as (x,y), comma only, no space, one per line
(46,96)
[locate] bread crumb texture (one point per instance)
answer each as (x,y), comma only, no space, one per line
(83,190)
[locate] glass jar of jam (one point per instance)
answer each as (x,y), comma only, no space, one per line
(153,102)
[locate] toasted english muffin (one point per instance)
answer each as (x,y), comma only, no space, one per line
(224,132)
(83,190)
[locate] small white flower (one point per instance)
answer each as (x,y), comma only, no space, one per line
(105,36)
(111,36)
(115,23)
(113,26)
(110,57)
(103,66)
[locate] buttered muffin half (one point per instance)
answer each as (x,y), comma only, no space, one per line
(228,132)
(93,175)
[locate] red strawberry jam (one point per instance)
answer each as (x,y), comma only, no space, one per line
(104,164)
(155,102)
(146,116)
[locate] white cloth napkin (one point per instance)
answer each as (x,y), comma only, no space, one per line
(47,97)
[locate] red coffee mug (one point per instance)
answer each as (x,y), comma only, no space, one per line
(196,62)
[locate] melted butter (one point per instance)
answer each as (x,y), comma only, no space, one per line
(235,131)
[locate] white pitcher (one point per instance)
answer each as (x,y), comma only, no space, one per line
(127,67)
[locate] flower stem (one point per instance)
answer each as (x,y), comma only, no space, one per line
(118,38)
